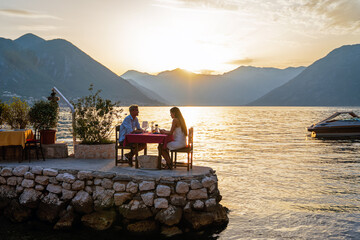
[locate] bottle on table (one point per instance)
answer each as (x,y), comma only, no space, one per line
(157,128)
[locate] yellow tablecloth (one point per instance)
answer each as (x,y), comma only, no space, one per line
(9,138)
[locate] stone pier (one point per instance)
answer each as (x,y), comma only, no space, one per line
(95,193)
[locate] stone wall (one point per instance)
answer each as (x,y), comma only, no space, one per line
(103,200)
(94,151)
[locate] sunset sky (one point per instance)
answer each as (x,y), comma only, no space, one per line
(209,36)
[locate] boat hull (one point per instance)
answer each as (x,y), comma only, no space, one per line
(351,131)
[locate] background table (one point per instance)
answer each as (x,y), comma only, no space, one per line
(161,139)
(15,138)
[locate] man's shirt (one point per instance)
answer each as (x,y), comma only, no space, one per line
(128,125)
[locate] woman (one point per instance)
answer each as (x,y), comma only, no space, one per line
(179,131)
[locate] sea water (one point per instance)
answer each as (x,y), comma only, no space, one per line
(276,180)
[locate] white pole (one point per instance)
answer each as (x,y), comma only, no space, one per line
(72,111)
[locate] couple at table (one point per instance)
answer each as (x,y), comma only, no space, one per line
(178,130)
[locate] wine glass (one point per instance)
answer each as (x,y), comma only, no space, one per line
(145,125)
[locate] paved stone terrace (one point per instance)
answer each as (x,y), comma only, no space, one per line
(108,165)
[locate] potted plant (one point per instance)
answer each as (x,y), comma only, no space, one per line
(15,114)
(94,118)
(44,117)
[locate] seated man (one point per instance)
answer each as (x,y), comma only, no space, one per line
(131,125)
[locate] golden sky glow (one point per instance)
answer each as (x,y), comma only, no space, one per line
(197,35)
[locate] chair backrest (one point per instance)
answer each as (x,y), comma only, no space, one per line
(191,137)
(117,129)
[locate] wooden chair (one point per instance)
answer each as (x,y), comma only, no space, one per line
(120,146)
(188,149)
(34,144)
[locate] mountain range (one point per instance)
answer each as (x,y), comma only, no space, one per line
(238,87)
(331,81)
(31,66)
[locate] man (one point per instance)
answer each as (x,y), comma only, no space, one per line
(131,125)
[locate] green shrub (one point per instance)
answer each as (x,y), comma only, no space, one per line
(2,107)
(44,115)
(15,113)
(94,117)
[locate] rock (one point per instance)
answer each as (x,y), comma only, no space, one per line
(178,200)
(101,220)
(195,184)
(107,183)
(161,203)
(119,187)
(67,194)
(39,187)
(198,205)
(66,221)
(43,180)
(103,200)
(205,219)
(49,208)
(30,198)
(148,198)
(78,185)
(20,170)
(16,212)
(6,172)
(89,182)
(28,183)
(120,198)
(50,172)
(208,181)
(210,203)
(19,189)
(53,180)
(135,210)
(170,216)
(132,187)
(182,187)
(68,178)
(53,188)
(82,202)
(2,180)
(142,227)
(36,170)
(7,192)
(12,181)
(82,175)
(29,175)
(89,189)
(147,185)
(97,181)
(197,194)
(163,191)
(170,231)
(66,186)
(60,177)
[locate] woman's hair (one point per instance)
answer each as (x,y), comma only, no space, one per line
(178,115)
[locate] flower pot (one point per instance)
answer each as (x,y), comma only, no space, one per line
(48,136)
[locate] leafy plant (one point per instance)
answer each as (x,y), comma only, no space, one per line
(16,113)
(94,117)
(44,115)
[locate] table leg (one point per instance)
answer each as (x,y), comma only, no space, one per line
(159,155)
(136,155)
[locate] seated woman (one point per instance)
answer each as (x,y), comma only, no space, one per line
(179,132)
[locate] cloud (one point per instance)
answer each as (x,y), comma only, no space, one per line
(200,4)
(339,13)
(25,14)
(241,61)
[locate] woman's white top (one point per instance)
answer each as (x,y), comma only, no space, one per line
(179,140)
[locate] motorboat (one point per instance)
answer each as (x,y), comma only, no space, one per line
(340,124)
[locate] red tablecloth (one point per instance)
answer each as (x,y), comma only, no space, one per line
(148,138)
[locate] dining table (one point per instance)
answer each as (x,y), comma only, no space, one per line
(161,139)
(16,137)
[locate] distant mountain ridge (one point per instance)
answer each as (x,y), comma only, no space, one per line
(331,81)
(30,66)
(238,87)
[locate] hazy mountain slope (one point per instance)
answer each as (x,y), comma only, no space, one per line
(31,66)
(331,81)
(237,87)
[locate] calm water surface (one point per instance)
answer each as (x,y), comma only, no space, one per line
(277,181)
